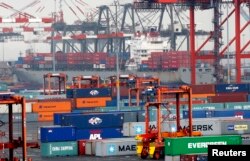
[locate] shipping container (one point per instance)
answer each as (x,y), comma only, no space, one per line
(203,89)
(91,102)
(197,145)
(88,92)
(93,120)
(232,113)
(199,113)
(51,106)
(172,158)
(245,139)
(235,127)
(136,128)
(238,105)
(189,157)
(98,133)
(206,106)
(231,88)
(110,147)
(52,149)
(81,147)
(57,133)
(47,116)
(17,117)
(16,108)
(222,98)
(57,117)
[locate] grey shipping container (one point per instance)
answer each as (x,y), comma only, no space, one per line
(245,139)
(135,128)
(235,127)
(110,147)
(17,117)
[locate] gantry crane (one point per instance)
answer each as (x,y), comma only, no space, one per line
(13,143)
(60,79)
(216,34)
(125,80)
(92,81)
(152,142)
(138,84)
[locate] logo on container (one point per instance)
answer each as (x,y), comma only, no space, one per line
(111,149)
(95,121)
(237,127)
(232,88)
(94,92)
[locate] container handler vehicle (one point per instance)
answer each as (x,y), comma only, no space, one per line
(59,79)
(152,142)
(84,81)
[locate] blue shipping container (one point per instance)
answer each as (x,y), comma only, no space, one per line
(97,134)
(58,117)
(93,120)
(199,114)
(228,88)
(88,92)
(232,113)
(57,133)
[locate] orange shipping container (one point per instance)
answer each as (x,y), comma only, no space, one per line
(91,102)
(47,116)
(51,106)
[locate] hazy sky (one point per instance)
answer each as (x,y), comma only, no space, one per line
(44,8)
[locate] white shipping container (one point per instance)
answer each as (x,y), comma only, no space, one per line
(116,147)
(208,126)
(48,58)
(90,147)
(16,108)
(135,128)
(172,158)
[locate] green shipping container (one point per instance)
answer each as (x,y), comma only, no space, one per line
(197,145)
(209,106)
(238,105)
(51,149)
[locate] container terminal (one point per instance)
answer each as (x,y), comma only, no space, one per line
(123,84)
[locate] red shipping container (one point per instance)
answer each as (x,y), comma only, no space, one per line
(228,98)
(203,89)
(188,158)
(81,147)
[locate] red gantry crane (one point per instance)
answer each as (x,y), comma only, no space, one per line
(216,34)
(13,143)
(61,80)
(152,142)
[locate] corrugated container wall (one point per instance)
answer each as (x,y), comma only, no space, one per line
(88,92)
(191,145)
(68,148)
(57,134)
(99,133)
(94,120)
(231,88)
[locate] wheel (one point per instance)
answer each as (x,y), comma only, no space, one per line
(157,155)
(144,153)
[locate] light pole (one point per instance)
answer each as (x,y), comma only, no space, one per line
(228,63)
(117,58)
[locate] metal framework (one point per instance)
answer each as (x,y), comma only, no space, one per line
(139,84)
(208,4)
(10,99)
(152,142)
(86,81)
(61,80)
